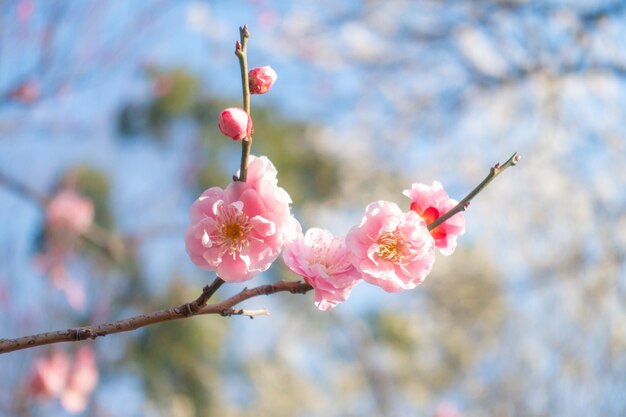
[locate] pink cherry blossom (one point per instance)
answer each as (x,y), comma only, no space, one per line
(239,231)
(431,202)
(446,409)
(235,123)
(390,248)
(71,382)
(323,261)
(24,10)
(27,93)
(67,210)
(262,177)
(82,380)
(49,375)
(261,79)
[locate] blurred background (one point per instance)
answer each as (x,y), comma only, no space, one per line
(118,101)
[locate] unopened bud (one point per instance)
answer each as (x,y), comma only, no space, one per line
(235,123)
(261,79)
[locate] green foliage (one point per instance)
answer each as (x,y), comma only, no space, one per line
(175,93)
(180,358)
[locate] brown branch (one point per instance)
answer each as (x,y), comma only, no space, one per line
(463,204)
(241,52)
(243,312)
(194,308)
(207,292)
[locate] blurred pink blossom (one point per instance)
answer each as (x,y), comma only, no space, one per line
(82,380)
(235,123)
(49,375)
(70,211)
(239,231)
(162,85)
(323,261)
(431,202)
(4,293)
(27,92)
(71,382)
(390,248)
(446,409)
(51,262)
(24,10)
(261,79)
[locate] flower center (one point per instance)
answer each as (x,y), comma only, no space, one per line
(392,246)
(233,229)
(430,215)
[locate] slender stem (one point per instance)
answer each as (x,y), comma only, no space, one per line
(194,308)
(462,205)
(241,52)
(207,292)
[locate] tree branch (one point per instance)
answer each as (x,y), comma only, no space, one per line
(463,204)
(241,52)
(194,308)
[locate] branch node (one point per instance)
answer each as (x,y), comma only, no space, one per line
(187,310)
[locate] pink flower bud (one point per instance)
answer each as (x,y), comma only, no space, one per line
(71,211)
(261,79)
(235,123)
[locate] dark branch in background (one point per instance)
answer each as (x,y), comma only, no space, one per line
(54,71)
(23,190)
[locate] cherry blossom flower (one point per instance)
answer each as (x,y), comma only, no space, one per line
(390,248)
(68,210)
(81,381)
(49,375)
(446,409)
(69,381)
(431,202)
(323,261)
(235,123)
(52,263)
(239,231)
(261,79)
(27,93)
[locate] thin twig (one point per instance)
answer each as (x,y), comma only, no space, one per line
(207,292)
(462,205)
(224,308)
(241,52)
(23,190)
